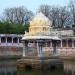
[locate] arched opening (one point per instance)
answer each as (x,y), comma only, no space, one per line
(64,43)
(3,40)
(15,40)
(69,43)
(9,39)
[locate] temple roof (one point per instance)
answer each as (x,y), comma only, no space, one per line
(40,24)
(40,20)
(40,28)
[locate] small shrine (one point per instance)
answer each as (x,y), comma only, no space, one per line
(40,40)
(44,46)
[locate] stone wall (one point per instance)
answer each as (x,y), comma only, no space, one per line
(10,51)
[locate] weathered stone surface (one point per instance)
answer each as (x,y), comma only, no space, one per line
(38,63)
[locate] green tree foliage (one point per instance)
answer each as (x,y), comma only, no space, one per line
(8,28)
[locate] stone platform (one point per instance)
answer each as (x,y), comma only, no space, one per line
(39,63)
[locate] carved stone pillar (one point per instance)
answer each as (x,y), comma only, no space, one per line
(18,40)
(6,39)
(61,43)
(38,51)
(39,48)
(12,40)
(24,53)
(0,39)
(25,45)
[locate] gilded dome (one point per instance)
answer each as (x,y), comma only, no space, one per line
(40,20)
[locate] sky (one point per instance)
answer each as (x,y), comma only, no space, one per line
(30,4)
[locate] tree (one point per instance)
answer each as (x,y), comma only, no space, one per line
(64,15)
(45,9)
(58,15)
(72,10)
(54,14)
(9,28)
(50,12)
(28,17)
(19,15)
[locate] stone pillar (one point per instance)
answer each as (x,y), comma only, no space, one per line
(34,51)
(39,48)
(26,45)
(51,48)
(51,43)
(6,39)
(61,43)
(18,40)
(46,43)
(25,48)
(0,39)
(24,54)
(12,40)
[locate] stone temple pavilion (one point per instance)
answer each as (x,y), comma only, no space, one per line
(43,42)
(39,40)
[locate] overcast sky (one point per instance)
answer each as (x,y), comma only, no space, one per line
(30,4)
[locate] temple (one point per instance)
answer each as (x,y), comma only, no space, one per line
(39,40)
(43,41)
